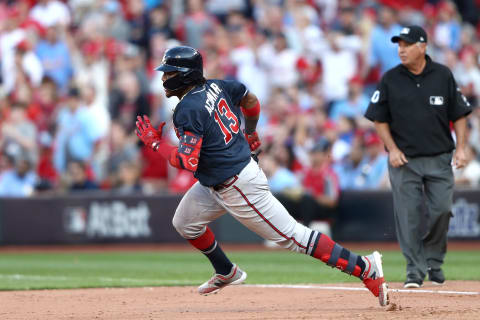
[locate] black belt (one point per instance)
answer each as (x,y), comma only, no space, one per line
(227,183)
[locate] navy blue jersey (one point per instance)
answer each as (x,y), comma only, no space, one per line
(212,112)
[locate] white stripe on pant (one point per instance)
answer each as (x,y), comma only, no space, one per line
(249,201)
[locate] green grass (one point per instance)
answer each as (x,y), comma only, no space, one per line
(132,269)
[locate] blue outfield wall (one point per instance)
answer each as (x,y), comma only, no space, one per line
(104,218)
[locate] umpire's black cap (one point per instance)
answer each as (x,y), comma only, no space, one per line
(411,34)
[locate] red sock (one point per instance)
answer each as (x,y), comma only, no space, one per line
(205,241)
(210,248)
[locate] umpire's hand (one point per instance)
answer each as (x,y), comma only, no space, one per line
(397,158)
(460,158)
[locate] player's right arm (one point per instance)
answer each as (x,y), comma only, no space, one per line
(250,107)
(251,110)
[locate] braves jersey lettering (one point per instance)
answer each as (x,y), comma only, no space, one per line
(214,115)
(224,110)
(227,136)
(212,96)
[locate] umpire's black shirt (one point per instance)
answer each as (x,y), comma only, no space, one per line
(419,108)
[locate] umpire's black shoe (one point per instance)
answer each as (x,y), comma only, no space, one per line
(436,276)
(412,283)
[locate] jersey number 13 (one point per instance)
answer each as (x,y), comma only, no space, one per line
(230,127)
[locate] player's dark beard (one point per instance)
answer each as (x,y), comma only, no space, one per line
(174,83)
(173,93)
(174,86)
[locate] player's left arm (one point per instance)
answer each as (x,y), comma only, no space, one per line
(189,128)
(188,152)
(250,107)
(185,156)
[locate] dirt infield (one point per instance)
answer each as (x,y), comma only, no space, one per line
(241,302)
(336,301)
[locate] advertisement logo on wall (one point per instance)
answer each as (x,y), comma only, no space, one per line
(465,221)
(112,219)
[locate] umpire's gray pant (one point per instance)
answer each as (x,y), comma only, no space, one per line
(432,177)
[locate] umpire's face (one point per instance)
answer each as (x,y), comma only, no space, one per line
(411,53)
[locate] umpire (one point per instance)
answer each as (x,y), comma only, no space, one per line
(412,109)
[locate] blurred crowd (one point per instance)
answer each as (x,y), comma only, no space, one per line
(74,74)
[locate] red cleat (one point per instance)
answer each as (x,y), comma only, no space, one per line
(373,277)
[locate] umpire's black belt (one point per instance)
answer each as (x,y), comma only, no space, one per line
(227,183)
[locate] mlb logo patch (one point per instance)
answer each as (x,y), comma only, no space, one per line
(405,31)
(436,100)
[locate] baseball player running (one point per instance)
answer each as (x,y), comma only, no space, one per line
(207,121)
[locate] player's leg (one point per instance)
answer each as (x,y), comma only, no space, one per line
(195,211)
(250,201)
(439,183)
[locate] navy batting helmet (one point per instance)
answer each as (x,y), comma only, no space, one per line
(188,61)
